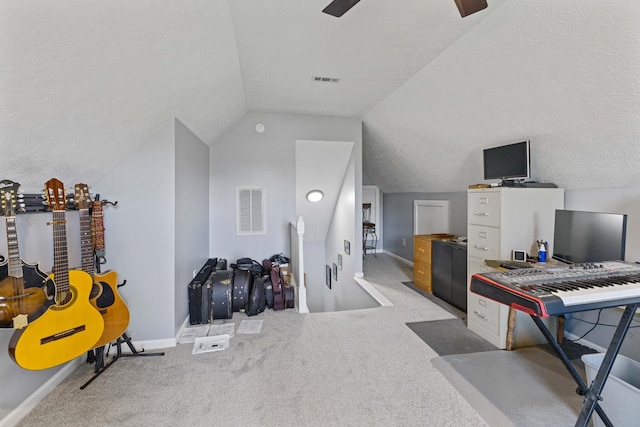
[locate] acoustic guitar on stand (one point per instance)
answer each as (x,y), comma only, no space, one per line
(71,326)
(104,293)
(19,304)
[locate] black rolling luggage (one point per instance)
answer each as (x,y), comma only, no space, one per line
(195,292)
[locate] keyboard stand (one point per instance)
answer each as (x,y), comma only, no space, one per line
(592,394)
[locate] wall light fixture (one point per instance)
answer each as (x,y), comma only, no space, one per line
(315,196)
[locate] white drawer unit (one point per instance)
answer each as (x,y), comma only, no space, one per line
(484,208)
(483,242)
(500,220)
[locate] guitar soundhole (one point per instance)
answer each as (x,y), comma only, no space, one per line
(65,298)
(107,298)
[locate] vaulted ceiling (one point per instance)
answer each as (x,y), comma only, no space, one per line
(83,83)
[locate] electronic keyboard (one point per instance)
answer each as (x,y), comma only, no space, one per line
(554,291)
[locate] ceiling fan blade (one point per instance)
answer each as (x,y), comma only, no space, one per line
(467,7)
(338,8)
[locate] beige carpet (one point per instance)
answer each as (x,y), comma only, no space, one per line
(355,368)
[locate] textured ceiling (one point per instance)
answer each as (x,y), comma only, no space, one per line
(83,83)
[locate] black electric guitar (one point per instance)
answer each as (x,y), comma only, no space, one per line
(23,296)
(71,326)
(104,293)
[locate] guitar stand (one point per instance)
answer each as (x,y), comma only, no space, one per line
(592,394)
(99,357)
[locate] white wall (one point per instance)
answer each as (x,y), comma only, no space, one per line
(242,157)
(346,224)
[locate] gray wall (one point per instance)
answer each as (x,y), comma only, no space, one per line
(614,200)
(398,223)
(191,213)
(243,157)
(397,214)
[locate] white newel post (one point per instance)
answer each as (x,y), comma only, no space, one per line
(302,290)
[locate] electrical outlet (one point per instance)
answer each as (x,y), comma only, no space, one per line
(404,242)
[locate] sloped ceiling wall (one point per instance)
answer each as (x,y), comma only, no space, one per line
(83,83)
(562,73)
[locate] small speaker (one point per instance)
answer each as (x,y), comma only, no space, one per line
(467,7)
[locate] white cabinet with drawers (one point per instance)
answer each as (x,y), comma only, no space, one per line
(500,220)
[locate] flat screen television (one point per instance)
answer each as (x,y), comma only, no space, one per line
(589,236)
(507,162)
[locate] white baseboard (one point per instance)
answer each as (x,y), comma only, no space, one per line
(30,402)
(149,345)
(406,261)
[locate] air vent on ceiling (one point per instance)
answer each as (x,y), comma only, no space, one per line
(325,79)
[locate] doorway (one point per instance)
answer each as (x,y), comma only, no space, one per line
(431,216)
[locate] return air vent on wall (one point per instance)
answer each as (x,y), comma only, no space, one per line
(250,210)
(325,79)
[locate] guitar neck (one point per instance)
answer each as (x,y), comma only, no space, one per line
(15,263)
(86,243)
(60,257)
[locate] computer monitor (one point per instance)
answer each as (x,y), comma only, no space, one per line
(589,236)
(507,162)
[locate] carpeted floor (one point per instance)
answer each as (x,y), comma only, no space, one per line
(450,336)
(526,387)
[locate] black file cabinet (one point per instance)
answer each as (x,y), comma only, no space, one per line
(449,272)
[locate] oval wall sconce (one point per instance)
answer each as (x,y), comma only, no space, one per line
(315,196)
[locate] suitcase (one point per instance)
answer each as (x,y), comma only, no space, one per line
(195,296)
(242,280)
(221,294)
(195,292)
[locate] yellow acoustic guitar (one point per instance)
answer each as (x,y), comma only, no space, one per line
(71,326)
(104,294)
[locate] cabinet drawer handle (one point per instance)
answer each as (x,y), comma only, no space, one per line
(481,248)
(420,272)
(480,315)
(483,234)
(478,213)
(421,250)
(484,200)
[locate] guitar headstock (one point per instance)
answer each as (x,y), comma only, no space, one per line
(8,196)
(82,197)
(55,195)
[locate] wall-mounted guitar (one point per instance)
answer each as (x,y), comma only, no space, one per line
(71,326)
(104,294)
(23,296)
